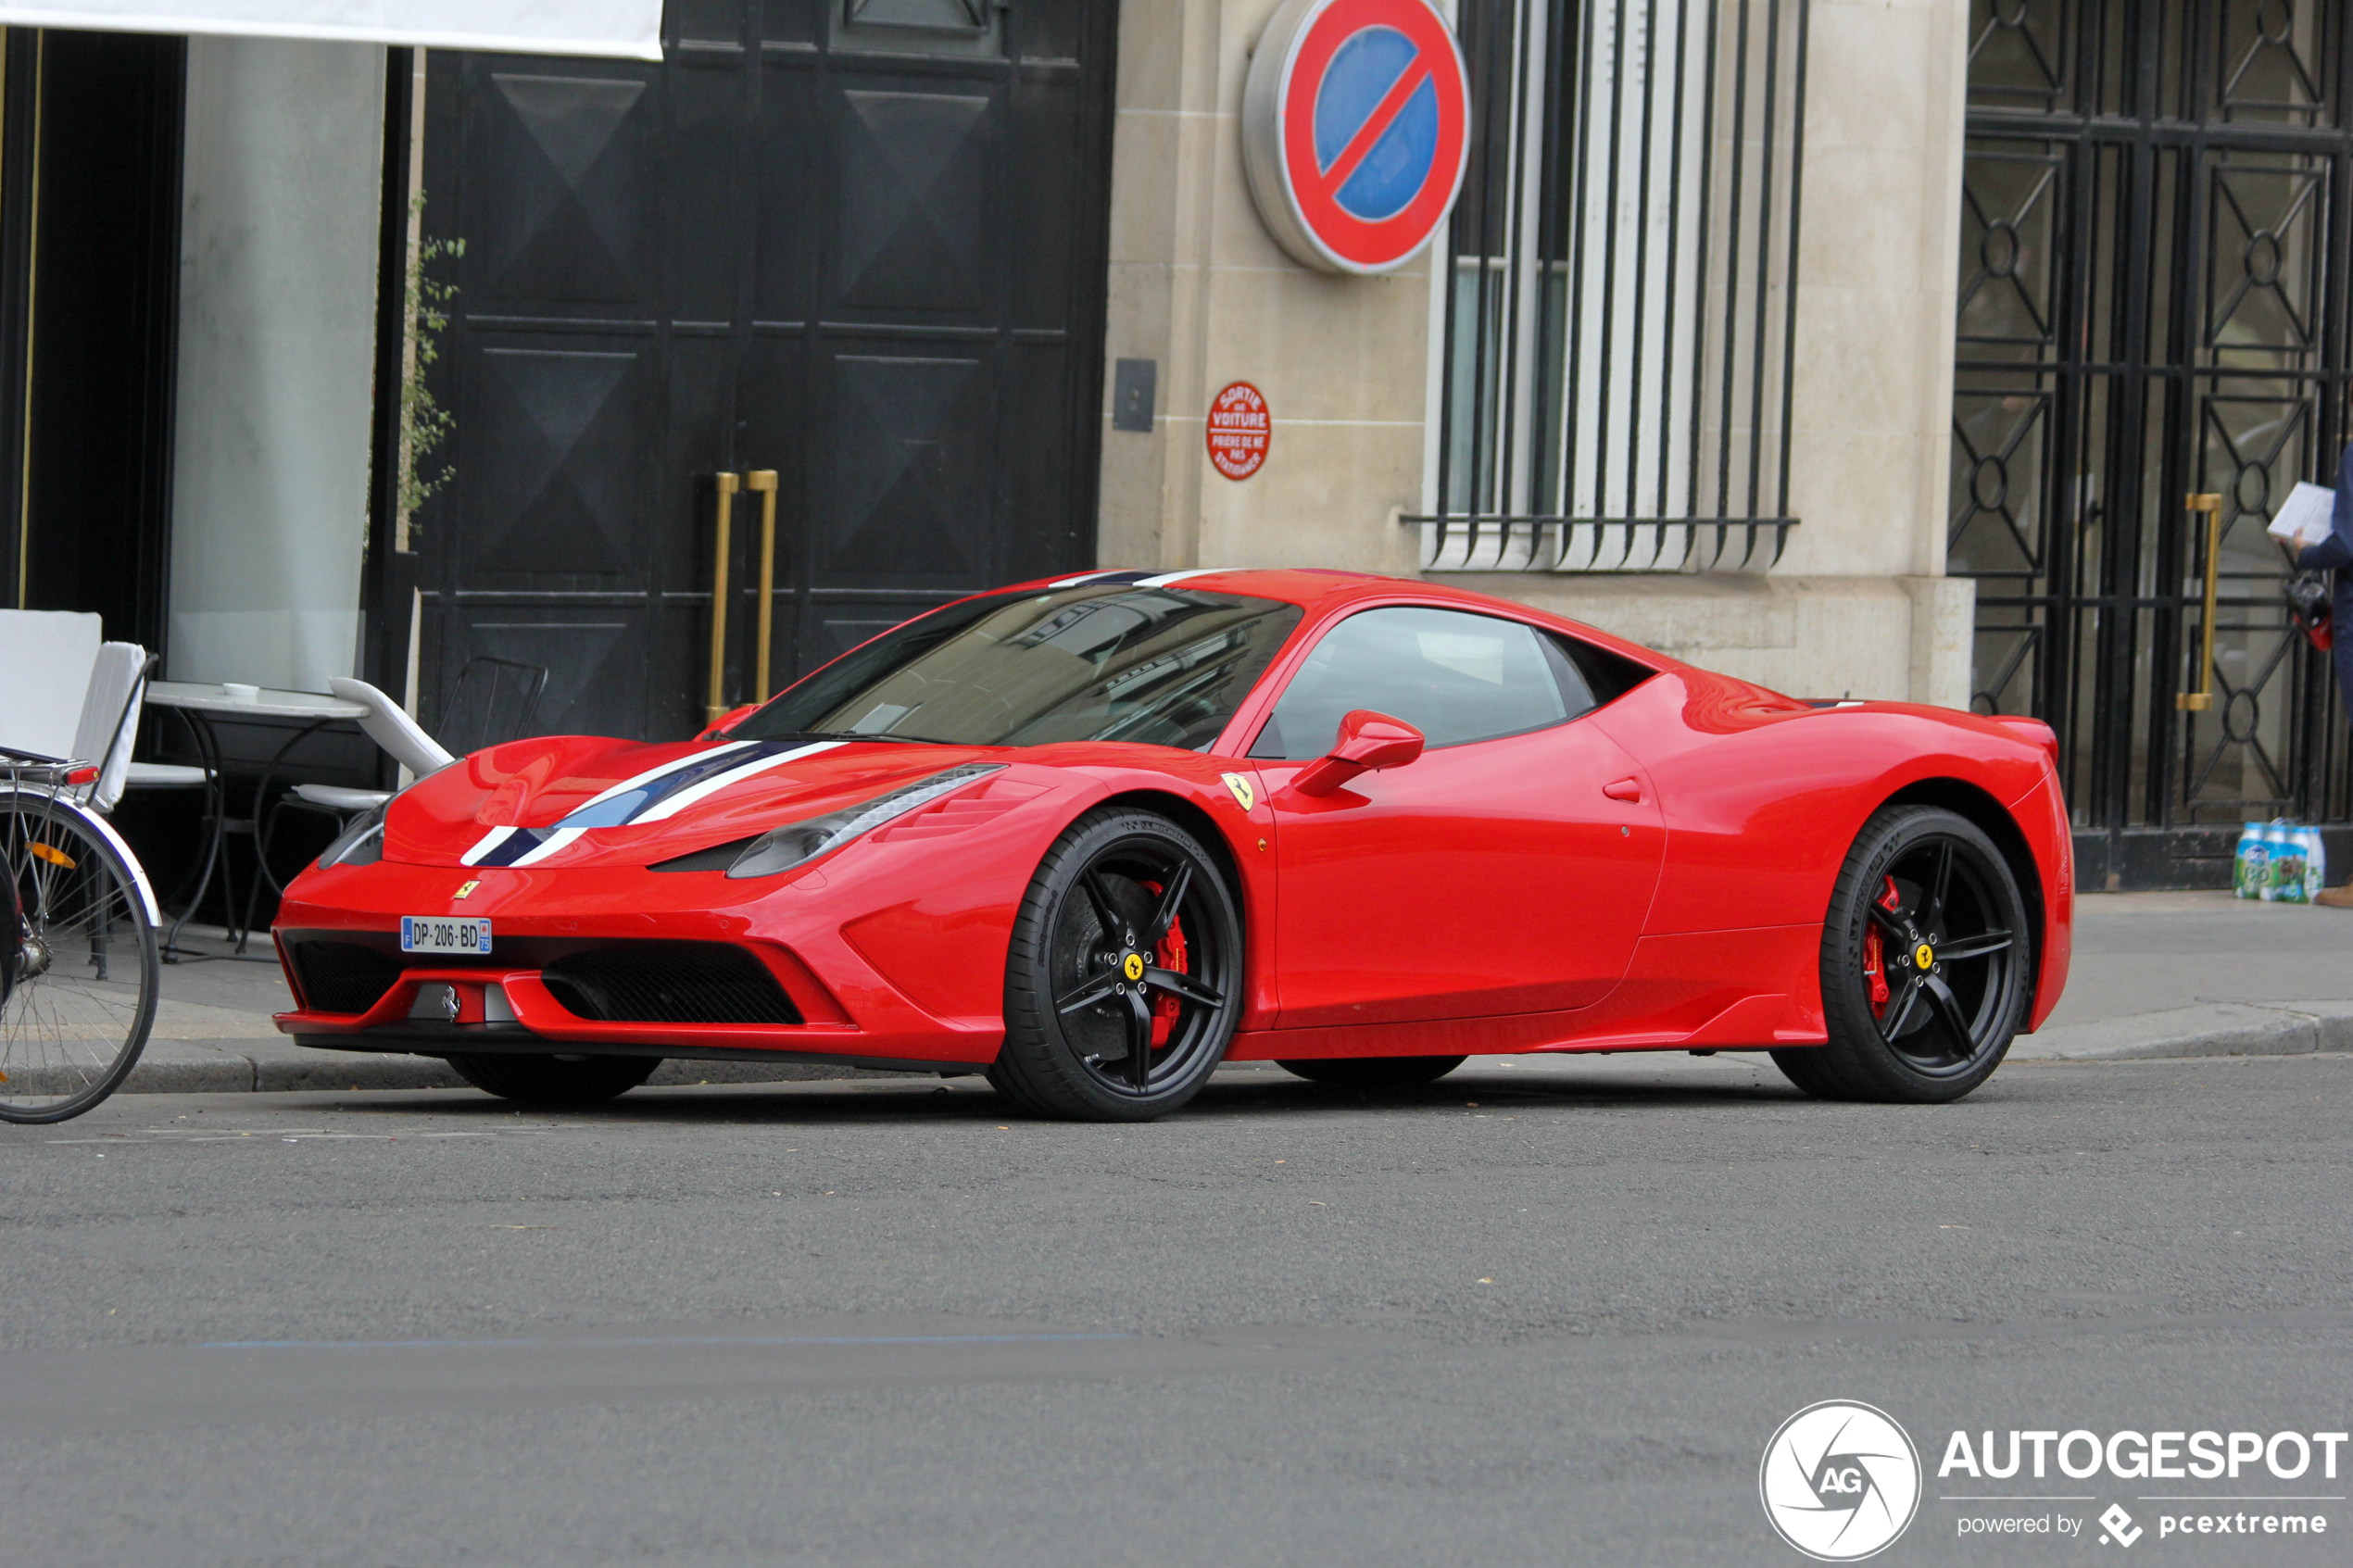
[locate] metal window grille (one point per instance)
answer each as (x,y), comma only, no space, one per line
(1618,316)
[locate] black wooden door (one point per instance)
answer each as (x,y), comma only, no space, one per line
(857,242)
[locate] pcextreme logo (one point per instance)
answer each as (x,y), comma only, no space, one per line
(1839,1481)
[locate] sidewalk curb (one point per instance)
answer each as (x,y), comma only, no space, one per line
(2287,1028)
(2210,1029)
(187,1067)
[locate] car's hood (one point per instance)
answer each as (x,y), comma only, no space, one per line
(582,801)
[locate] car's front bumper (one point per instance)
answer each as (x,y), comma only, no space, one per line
(847,1010)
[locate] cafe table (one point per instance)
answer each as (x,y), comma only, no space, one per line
(201,703)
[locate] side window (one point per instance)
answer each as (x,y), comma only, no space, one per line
(1456,677)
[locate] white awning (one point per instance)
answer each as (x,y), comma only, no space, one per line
(536,26)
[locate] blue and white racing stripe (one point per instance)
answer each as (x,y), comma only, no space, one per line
(1100,579)
(1137,579)
(650,796)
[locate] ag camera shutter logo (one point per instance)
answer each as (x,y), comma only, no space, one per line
(1839,1481)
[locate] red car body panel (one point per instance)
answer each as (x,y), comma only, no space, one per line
(1653,874)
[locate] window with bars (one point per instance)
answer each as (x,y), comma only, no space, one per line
(1613,382)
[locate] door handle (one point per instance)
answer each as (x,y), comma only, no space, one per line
(1623,789)
(728,483)
(765,481)
(2202,699)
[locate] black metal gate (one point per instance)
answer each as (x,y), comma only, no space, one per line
(2154,275)
(854,249)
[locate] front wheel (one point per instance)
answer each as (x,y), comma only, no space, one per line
(532,1079)
(1927,963)
(1124,979)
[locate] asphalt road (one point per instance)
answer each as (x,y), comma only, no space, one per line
(1534,1315)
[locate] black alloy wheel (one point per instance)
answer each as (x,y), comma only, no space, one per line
(1374,1071)
(1123,984)
(1926,964)
(529,1078)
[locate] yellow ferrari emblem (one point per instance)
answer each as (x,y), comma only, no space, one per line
(1923,956)
(1244,795)
(1134,967)
(466,891)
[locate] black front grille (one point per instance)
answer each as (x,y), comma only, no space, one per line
(669,983)
(344,976)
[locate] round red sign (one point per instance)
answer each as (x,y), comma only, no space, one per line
(1238,425)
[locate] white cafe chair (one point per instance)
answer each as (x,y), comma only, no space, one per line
(391,728)
(109,728)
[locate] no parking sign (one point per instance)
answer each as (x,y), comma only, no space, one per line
(1355,130)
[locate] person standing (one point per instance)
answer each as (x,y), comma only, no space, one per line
(2335,554)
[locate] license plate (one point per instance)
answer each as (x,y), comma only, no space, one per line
(433,934)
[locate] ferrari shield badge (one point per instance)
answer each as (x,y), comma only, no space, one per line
(467,891)
(1244,795)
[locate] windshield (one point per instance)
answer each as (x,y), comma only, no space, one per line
(1110,661)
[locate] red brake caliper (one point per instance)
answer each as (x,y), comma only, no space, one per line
(1169,955)
(1875,955)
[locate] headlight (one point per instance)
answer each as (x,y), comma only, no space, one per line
(361,844)
(785,847)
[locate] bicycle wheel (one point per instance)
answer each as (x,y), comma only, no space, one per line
(79,993)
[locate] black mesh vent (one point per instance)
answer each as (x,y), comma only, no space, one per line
(718,857)
(344,977)
(669,983)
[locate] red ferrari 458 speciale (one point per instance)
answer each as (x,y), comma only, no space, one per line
(1094,837)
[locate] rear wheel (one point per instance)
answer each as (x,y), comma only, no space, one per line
(555,1080)
(1123,983)
(1375,1072)
(78,960)
(1926,964)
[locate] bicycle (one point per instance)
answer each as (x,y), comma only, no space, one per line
(79,959)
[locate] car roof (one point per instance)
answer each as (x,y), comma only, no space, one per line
(1325,591)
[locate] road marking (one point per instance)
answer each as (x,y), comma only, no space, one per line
(642,1341)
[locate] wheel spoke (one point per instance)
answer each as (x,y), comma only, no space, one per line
(1172,897)
(1947,1008)
(1183,985)
(1932,910)
(1891,927)
(1087,993)
(1140,1038)
(1898,1017)
(1974,946)
(1106,911)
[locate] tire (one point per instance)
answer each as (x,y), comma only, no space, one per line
(532,1079)
(1375,1072)
(1124,979)
(1802,1065)
(82,968)
(1923,881)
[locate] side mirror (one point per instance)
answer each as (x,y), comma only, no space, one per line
(1368,741)
(728,722)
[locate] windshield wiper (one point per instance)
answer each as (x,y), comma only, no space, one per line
(858,734)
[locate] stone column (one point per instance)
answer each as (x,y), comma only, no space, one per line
(1197,285)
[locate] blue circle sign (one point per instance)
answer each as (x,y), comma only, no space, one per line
(1355,130)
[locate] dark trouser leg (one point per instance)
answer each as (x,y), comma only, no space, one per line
(2343,653)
